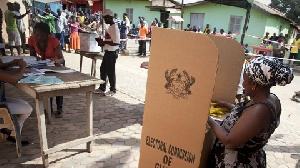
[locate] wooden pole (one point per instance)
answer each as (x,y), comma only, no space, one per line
(182,14)
(246,22)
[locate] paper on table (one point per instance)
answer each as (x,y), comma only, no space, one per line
(42,80)
(57,71)
(33,71)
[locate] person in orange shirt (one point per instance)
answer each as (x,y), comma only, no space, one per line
(142,42)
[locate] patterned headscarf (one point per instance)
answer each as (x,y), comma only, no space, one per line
(268,71)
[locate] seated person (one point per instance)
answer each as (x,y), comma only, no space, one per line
(243,134)
(47,47)
(17,107)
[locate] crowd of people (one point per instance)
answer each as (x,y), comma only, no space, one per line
(207,30)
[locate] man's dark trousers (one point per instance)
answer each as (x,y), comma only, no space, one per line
(142,47)
(107,68)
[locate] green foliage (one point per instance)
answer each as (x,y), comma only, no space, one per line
(291,8)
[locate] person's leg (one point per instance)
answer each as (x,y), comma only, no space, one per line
(20,108)
(125,42)
(11,48)
(59,103)
(292,56)
(121,42)
(59,106)
(23,40)
(140,47)
(77,41)
(2,50)
(51,104)
(18,41)
(103,72)
(111,73)
(144,48)
(57,36)
(19,50)
(11,41)
(62,40)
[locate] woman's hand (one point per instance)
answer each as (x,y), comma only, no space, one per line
(222,103)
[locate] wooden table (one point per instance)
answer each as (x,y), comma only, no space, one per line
(256,49)
(94,56)
(73,83)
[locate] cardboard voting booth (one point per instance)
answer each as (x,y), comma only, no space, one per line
(186,71)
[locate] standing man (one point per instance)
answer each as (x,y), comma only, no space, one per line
(49,19)
(142,41)
(14,38)
(21,26)
(60,25)
(124,25)
(110,45)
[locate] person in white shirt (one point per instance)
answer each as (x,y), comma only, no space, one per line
(20,25)
(110,45)
(222,33)
(60,25)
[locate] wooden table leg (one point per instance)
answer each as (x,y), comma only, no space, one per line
(93,69)
(89,118)
(81,58)
(42,130)
(48,111)
(93,66)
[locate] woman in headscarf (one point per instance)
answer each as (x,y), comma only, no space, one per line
(243,134)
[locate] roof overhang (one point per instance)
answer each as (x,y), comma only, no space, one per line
(237,3)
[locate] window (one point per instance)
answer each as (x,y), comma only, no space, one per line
(129,12)
(235,24)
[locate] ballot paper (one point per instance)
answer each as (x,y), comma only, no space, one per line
(42,80)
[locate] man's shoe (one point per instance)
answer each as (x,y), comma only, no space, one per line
(59,113)
(110,93)
(100,92)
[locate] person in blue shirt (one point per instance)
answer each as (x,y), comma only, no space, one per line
(17,107)
(124,25)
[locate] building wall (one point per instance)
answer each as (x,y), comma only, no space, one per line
(3,7)
(256,27)
(215,15)
(219,16)
(274,23)
(139,9)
